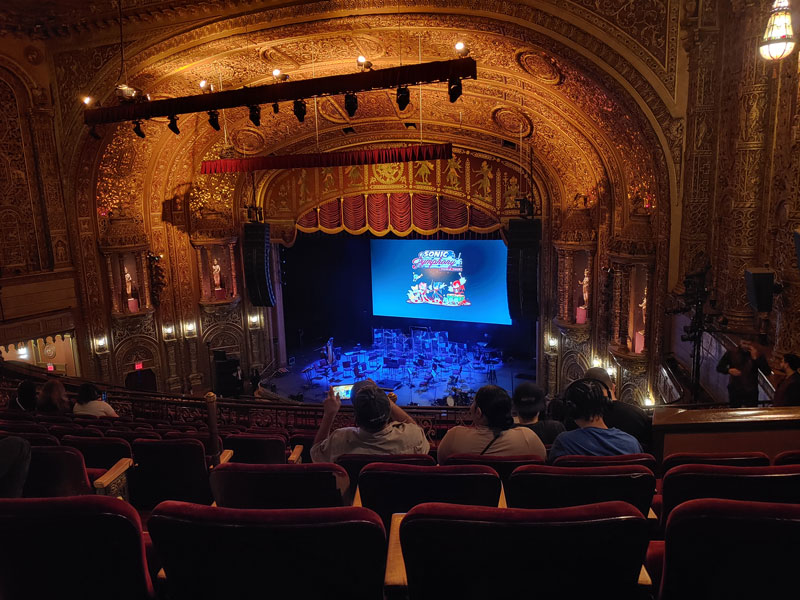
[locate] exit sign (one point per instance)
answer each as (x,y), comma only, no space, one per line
(138,366)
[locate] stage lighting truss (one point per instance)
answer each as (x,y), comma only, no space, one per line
(454,88)
(213,119)
(255,115)
(275,108)
(137,128)
(351,104)
(299,109)
(403,97)
(173,124)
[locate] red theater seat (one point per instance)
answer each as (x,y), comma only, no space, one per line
(257,449)
(504,465)
(99,453)
(169,470)
(61,430)
(730,459)
(35,439)
(396,488)
(56,471)
(593,551)
(570,460)
(87,547)
(278,486)
(731,549)
(22,427)
(211,553)
(353,463)
(790,457)
(129,436)
(201,437)
(541,486)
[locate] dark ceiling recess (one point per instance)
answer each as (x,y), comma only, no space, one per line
(376,79)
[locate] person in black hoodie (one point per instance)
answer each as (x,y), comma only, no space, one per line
(627,417)
(529,408)
(743,364)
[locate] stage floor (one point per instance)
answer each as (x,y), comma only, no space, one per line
(408,384)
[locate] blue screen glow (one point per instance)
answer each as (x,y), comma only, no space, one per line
(445,280)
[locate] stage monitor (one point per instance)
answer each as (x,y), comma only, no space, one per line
(445,280)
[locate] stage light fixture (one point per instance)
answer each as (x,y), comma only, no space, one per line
(173,124)
(255,114)
(275,108)
(128,94)
(137,128)
(206,86)
(87,100)
(454,88)
(279,76)
(351,104)
(363,63)
(461,49)
(213,119)
(403,97)
(94,134)
(299,109)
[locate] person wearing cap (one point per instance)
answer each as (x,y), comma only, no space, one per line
(529,407)
(788,391)
(382,427)
(493,431)
(621,415)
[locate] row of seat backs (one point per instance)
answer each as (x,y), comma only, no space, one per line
(90,545)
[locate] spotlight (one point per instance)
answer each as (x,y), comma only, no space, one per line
(461,49)
(363,63)
(300,109)
(276,73)
(351,104)
(94,134)
(403,97)
(255,115)
(128,94)
(275,108)
(87,100)
(454,88)
(213,119)
(137,128)
(173,124)
(206,87)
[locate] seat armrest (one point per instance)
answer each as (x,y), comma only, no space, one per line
(357,498)
(114,482)
(501,503)
(295,458)
(644,579)
(225,456)
(395,581)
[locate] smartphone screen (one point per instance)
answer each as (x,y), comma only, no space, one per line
(343,391)
(104,396)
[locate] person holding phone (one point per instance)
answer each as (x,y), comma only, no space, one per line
(89,402)
(382,427)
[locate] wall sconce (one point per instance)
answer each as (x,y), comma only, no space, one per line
(612,371)
(169,332)
(649,401)
(189,329)
(596,362)
(553,343)
(253,321)
(22,352)
(101,344)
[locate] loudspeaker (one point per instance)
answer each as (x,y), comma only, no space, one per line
(797,245)
(760,288)
(255,253)
(524,238)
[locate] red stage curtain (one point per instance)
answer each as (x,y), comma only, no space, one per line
(330,216)
(452,215)
(480,219)
(354,211)
(425,212)
(308,220)
(400,212)
(330,159)
(378,213)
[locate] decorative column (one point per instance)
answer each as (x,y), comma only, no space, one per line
(616,301)
(624,304)
(144,285)
(563,315)
(115,305)
(551,356)
(234,287)
(121,261)
(204,295)
(646,312)
(569,277)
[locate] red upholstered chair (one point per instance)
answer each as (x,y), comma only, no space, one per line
(257,449)
(790,457)
(397,488)
(504,465)
(35,439)
(129,436)
(56,471)
(201,437)
(269,431)
(99,453)
(645,460)
(61,430)
(51,418)
(318,485)
(211,553)
(16,415)
(592,551)
(731,549)
(730,459)
(758,484)
(304,439)
(169,470)
(87,547)
(542,486)
(22,427)
(353,463)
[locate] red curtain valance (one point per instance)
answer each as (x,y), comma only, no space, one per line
(330,159)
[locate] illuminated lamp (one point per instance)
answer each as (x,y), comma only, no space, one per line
(779,40)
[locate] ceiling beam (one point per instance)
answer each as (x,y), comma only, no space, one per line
(430,72)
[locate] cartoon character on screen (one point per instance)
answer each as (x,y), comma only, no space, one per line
(417,277)
(413,294)
(438,292)
(424,291)
(457,287)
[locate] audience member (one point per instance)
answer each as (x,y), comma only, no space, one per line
(493,430)
(742,364)
(626,417)
(788,391)
(15,458)
(26,397)
(89,402)
(529,406)
(382,427)
(53,398)
(586,401)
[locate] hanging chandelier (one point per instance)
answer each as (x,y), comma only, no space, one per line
(779,40)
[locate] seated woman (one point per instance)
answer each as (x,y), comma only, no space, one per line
(493,431)
(53,398)
(529,406)
(89,402)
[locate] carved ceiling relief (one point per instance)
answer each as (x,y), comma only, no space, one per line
(211,201)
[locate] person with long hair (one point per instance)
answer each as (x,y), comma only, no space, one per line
(53,398)
(493,430)
(89,401)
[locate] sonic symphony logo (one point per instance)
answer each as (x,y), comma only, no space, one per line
(437,291)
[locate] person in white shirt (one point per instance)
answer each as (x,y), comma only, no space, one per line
(89,402)
(382,427)
(493,430)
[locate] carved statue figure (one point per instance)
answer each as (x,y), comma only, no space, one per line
(585,285)
(215,274)
(128,283)
(643,306)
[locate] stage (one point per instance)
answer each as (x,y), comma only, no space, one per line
(422,366)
